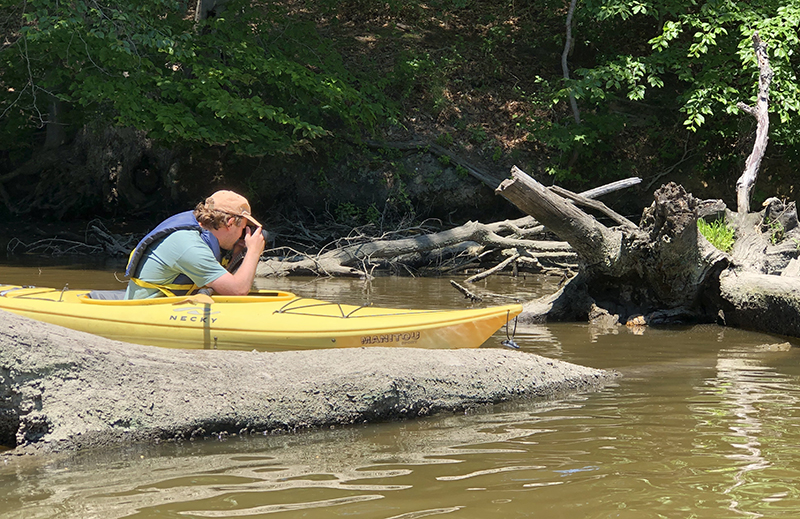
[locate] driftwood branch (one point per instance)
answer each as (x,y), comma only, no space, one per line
(589,238)
(345,261)
(467,293)
(497,268)
(611,187)
(594,204)
(761,112)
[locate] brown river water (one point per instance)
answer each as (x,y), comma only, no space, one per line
(704,423)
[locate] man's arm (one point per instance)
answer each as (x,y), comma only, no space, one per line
(240,283)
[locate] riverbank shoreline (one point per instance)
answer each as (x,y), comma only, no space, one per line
(66,391)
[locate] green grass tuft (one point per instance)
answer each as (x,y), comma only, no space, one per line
(718,233)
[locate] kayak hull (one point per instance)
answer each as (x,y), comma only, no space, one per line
(265,320)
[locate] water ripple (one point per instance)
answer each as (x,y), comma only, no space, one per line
(425,513)
(489,471)
(285,507)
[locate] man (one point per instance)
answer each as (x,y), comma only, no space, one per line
(184,252)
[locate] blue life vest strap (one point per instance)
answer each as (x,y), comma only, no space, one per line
(182,284)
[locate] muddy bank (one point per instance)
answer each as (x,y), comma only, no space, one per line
(65,390)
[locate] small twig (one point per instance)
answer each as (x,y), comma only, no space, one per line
(686,156)
(471,261)
(497,268)
(467,293)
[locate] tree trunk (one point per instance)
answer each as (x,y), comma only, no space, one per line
(593,242)
(761,112)
(208,9)
(564,68)
(56,132)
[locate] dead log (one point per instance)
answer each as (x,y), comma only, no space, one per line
(359,258)
(665,271)
(766,241)
(761,289)
(593,242)
(353,260)
(664,264)
(761,302)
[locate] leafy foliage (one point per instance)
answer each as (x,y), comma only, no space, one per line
(706,48)
(252,78)
(692,57)
(657,81)
(776,231)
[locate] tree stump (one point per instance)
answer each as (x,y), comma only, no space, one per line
(664,264)
(665,271)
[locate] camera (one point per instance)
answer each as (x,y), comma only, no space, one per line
(252,231)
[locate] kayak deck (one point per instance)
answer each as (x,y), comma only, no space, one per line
(263,320)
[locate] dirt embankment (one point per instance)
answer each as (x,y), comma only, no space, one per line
(64,390)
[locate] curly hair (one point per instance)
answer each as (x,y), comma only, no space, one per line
(212,218)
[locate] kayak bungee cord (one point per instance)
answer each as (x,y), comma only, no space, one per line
(294,310)
(509,341)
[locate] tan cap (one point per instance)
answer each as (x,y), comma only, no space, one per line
(231,203)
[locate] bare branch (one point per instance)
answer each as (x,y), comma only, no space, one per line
(594,204)
(567,45)
(761,112)
(497,268)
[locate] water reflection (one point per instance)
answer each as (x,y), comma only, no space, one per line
(751,401)
(717,439)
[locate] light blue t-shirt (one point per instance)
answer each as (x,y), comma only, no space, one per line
(181,252)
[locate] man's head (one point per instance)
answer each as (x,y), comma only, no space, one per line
(220,207)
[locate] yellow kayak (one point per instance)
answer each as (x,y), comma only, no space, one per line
(263,320)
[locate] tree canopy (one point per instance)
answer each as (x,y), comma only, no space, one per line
(657,82)
(252,78)
(693,57)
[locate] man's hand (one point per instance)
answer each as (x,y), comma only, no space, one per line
(255,241)
(240,282)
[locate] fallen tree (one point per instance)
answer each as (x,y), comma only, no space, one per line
(359,258)
(664,270)
(525,240)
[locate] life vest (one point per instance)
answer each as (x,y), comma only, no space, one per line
(182,284)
